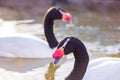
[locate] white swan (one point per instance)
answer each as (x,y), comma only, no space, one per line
(98,69)
(27,46)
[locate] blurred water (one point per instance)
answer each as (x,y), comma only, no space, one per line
(105,41)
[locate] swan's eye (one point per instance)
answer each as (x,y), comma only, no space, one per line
(63,47)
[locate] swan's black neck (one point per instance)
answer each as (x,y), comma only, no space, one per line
(48,26)
(81,60)
(80,65)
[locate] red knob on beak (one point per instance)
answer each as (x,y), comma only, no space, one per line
(66,16)
(58,54)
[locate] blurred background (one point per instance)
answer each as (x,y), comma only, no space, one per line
(95,22)
(94,12)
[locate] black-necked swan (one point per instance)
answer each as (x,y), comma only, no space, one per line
(28,46)
(72,44)
(105,68)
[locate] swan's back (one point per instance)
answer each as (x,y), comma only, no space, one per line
(103,69)
(25,46)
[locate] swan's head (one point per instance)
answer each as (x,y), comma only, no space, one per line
(65,47)
(58,13)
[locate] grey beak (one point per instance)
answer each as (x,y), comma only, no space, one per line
(56,60)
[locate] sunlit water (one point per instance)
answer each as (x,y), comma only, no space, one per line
(99,42)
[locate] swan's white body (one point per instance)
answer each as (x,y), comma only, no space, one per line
(21,45)
(103,69)
(98,69)
(24,46)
